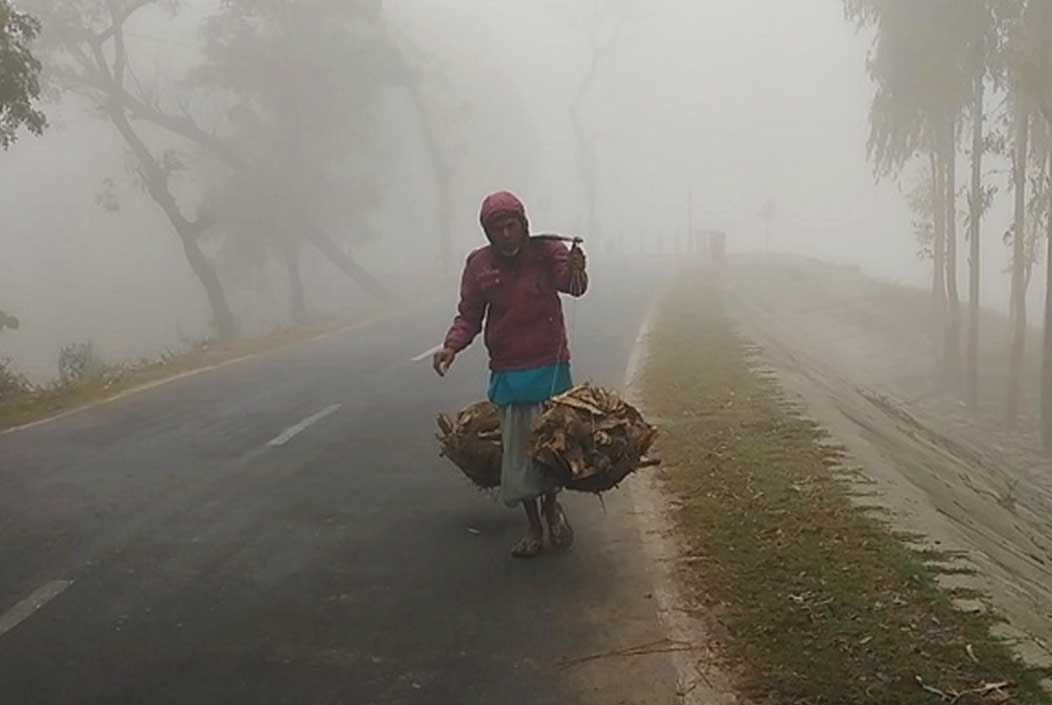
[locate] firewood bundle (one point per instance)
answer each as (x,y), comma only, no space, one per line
(589,437)
(472,442)
(592,439)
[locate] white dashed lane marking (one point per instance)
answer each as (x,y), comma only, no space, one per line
(426,354)
(293,431)
(29,606)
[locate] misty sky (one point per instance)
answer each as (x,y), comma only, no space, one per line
(738,101)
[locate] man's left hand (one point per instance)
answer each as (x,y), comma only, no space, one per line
(578,261)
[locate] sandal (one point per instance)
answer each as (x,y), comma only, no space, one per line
(559,529)
(528,547)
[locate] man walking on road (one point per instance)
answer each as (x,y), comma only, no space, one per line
(513,286)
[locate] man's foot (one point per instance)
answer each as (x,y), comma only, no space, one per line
(559,528)
(528,547)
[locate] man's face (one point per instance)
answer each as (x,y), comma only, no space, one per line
(508,235)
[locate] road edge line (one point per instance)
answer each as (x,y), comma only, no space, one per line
(133,391)
(699,682)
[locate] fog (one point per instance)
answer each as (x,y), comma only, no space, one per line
(706,108)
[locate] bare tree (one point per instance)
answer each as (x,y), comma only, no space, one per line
(922,86)
(1025,47)
(90,57)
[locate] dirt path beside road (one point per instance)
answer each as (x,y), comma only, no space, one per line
(856,354)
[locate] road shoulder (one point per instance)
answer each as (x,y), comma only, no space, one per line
(811,594)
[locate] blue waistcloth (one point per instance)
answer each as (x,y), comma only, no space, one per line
(529,386)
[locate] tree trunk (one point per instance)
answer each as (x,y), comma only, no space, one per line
(952,348)
(297,299)
(157,186)
(971,376)
(222,317)
(1018,344)
(1046,368)
(938,285)
(347,265)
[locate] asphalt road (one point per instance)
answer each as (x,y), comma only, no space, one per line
(197,543)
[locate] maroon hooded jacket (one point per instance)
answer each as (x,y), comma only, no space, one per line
(518,300)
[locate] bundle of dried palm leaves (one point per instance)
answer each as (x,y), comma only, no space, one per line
(471,440)
(592,439)
(589,437)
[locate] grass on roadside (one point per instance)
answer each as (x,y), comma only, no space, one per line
(33,403)
(817,599)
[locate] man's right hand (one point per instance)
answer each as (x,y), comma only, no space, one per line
(443,360)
